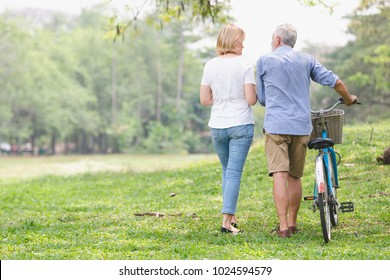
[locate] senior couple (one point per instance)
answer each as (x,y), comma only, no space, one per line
(281,84)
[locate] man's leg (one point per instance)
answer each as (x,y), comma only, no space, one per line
(297,155)
(294,191)
(281,198)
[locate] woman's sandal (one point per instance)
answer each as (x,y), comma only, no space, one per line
(225,230)
(234,224)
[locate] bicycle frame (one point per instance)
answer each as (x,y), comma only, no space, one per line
(323,160)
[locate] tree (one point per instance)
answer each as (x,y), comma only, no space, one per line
(365,62)
(168,11)
(10,67)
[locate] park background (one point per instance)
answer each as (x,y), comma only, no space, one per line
(117,112)
(71,84)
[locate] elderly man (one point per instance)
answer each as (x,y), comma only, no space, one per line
(283,79)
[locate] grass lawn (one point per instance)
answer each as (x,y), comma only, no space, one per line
(89,214)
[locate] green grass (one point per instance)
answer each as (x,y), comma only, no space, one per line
(16,168)
(91,215)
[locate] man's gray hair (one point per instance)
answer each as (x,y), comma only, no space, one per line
(288,33)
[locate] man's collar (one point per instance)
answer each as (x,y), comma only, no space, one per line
(283,48)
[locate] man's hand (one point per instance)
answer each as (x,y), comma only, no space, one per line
(351,100)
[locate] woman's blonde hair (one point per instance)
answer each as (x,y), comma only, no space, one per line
(227,38)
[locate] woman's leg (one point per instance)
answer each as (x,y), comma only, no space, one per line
(221,146)
(240,141)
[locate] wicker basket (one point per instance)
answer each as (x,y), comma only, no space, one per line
(333,122)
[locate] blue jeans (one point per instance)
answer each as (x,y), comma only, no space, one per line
(232,146)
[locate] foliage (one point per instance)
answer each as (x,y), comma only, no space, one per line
(365,62)
(168,11)
(91,216)
(329,5)
(69,85)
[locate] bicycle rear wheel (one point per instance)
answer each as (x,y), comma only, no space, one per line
(323,199)
(324,216)
(333,204)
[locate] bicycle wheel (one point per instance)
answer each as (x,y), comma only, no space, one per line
(333,203)
(323,199)
(324,216)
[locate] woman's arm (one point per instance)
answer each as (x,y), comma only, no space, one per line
(250,94)
(206,95)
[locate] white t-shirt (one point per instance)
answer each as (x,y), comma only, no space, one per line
(226,77)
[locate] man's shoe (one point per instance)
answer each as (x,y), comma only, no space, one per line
(283,233)
(293,230)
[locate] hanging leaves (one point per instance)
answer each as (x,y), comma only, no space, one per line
(329,5)
(168,11)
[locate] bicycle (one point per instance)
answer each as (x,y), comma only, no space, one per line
(327,131)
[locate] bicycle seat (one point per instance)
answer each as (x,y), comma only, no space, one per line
(320,143)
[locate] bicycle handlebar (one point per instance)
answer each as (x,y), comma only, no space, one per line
(330,108)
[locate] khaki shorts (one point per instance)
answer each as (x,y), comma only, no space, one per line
(286,153)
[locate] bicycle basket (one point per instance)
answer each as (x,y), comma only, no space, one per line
(333,122)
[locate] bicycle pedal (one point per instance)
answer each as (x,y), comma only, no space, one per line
(347,207)
(308,198)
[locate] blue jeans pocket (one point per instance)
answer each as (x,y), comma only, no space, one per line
(242,131)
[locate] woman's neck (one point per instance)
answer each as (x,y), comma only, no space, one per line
(229,54)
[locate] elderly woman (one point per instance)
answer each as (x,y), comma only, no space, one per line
(228,86)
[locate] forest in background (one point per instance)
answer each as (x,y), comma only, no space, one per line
(67,88)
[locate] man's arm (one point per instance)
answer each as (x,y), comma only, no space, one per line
(342,90)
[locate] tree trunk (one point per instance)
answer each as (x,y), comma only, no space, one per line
(159,84)
(53,143)
(180,74)
(114,98)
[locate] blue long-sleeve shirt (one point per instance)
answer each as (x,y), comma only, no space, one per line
(283,79)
